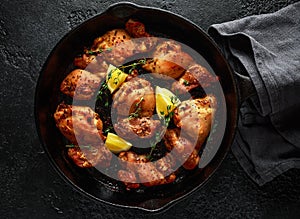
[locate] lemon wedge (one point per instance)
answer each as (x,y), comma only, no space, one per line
(114,78)
(116,144)
(166,101)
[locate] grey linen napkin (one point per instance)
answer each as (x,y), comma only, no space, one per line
(266,48)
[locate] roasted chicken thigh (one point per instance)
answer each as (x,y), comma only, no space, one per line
(195,116)
(135,98)
(81,84)
(79,124)
(169,59)
(195,76)
(90,156)
(145,172)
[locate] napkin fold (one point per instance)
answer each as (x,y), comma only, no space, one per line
(266,48)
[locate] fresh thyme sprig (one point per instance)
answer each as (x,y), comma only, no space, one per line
(77,146)
(153,146)
(186,83)
(108,129)
(167,119)
(89,147)
(104,86)
(134,65)
(96,52)
(135,114)
(103,90)
(169,116)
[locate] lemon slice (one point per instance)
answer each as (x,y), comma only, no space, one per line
(114,78)
(116,144)
(166,101)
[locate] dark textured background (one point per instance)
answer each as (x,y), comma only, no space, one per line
(30,187)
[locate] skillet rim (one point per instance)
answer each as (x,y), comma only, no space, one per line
(74,30)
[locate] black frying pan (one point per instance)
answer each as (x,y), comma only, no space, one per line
(58,65)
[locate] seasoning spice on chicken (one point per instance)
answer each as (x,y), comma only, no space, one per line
(173,130)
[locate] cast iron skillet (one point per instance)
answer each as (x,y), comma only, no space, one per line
(58,64)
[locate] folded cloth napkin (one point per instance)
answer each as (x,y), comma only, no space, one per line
(266,48)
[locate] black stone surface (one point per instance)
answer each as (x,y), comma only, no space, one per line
(31,188)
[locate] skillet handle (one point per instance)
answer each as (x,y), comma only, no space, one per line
(122,9)
(245,87)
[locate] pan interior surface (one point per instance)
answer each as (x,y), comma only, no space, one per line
(164,25)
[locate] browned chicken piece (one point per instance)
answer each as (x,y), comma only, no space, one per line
(110,39)
(135,97)
(79,158)
(130,157)
(166,164)
(136,28)
(119,44)
(90,156)
(149,175)
(127,177)
(112,47)
(92,63)
(184,149)
(129,160)
(192,161)
(81,84)
(84,60)
(169,59)
(195,76)
(194,117)
(147,172)
(137,128)
(79,124)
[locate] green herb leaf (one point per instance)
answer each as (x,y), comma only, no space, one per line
(186,83)
(96,52)
(77,146)
(108,129)
(135,114)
